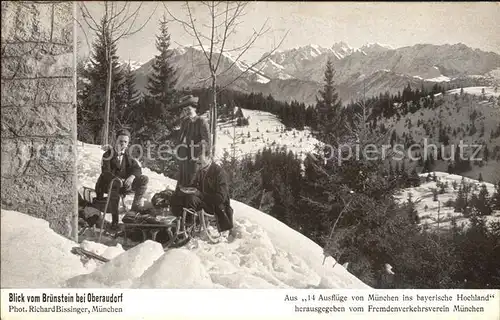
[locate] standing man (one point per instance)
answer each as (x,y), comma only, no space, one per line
(117,162)
(193,138)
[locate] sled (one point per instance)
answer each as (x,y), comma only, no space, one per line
(180,230)
(82,252)
(198,225)
(104,205)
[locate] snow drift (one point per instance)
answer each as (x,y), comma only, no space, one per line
(262,253)
(34,256)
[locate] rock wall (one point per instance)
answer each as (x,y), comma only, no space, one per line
(38,114)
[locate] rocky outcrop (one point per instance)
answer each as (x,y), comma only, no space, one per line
(38,113)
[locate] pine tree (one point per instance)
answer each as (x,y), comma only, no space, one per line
(162,81)
(442,188)
(483,203)
(486,153)
(157,123)
(460,202)
(495,199)
(414,178)
(128,112)
(329,108)
(161,91)
(427,166)
(94,81)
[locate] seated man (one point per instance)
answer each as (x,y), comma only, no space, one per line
(212,195)
(117,162)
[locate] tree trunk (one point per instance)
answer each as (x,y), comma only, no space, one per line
(108,99)
(234,136)
(214,116)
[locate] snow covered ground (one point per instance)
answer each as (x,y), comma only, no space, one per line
(441,78)
(478,91)
(263,253)
(264,130)
(422,196)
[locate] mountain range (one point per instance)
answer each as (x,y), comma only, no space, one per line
(297,74)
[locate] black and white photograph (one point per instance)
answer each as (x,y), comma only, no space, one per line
(250,145)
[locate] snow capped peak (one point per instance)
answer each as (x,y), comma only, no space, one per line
(315,46)
(342,49)
(341,46)
(376,47)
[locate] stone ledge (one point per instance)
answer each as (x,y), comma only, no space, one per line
(40,120)
(30,92)
(37,156)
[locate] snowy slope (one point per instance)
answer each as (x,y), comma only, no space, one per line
(263,253)
(262,129)
(433,218)
(455,112)
(34,256)
(478,91)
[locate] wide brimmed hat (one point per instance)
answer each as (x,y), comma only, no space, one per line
(185,101)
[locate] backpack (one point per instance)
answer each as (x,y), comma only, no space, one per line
(162,199)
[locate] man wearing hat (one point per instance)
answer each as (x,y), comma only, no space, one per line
(117,162)
(193,137)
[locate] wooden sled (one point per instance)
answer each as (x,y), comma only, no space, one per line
(179,229)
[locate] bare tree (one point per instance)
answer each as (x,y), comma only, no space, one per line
(118,22)
(213,38)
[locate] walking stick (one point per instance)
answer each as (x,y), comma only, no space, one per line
(107,203)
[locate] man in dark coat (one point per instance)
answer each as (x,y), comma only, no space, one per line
(193,137)
(117,162)
(212,194)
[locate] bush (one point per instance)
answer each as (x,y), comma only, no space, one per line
(449,203)
(241,122)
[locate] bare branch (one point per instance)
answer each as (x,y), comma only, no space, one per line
(86,16)
(143,25)
(131,25)
(188,28)
(224,38)
(84,33)
(127,17)
(114,17)
(209,58)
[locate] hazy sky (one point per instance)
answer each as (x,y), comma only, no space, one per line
(324,23)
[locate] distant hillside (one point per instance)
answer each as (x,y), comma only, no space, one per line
(439,213)
(471,117)
(296,74)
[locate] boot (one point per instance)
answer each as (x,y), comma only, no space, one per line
(137,202)
(139,193)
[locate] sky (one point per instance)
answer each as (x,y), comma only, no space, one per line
(321,23)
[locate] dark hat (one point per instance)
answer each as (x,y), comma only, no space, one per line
(123,132)
(185,101)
